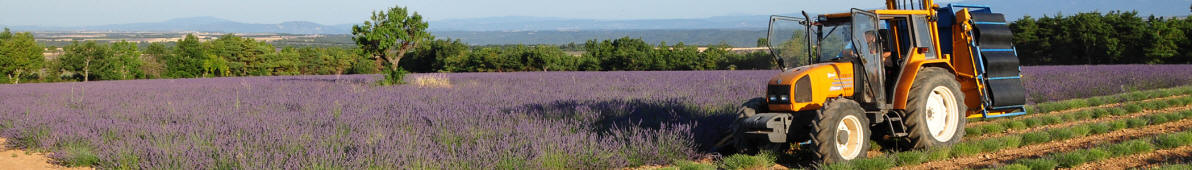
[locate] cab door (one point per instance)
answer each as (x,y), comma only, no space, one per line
(865,37)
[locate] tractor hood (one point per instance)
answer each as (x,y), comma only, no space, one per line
(808,87)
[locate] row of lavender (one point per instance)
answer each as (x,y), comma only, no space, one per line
(545,120)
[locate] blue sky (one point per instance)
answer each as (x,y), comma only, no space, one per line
(99,12)
(331,12)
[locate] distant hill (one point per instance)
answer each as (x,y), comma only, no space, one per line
(560,24)
(205,24)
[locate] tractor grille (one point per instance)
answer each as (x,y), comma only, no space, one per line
(778,90)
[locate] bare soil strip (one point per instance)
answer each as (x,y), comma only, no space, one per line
(19,159)
(1143,160)
(998,158)
(1031,115)
(1078,122)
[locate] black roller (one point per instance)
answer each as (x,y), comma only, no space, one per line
(994,36)
(1000,64)
(988,17)
(1006,92)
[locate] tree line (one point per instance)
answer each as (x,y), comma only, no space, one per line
(1103,38)
(231,55)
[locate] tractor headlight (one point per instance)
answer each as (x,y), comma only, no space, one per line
(773,98)
(784,98)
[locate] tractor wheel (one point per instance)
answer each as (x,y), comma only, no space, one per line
(935,109)
(841,131)
(739,142)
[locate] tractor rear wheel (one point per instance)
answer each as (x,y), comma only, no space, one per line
(841,131)
(935,109)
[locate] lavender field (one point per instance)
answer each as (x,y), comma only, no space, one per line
(537,120)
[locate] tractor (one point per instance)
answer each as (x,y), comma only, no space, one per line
(915,72)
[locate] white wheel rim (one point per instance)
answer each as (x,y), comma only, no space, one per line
(851,147)
(942,113)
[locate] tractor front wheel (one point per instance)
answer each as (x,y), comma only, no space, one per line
(841,131)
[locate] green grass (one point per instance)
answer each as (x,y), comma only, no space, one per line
(742,161)
(910,157)
(1174,167)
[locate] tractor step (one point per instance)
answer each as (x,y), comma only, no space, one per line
(897,128)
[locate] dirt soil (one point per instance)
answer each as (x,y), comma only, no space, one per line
(19,159)
(1143,160)
(982,160)
(1072,123)
(1031,115)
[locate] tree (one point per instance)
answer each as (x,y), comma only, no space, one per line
(19,55)
(82,57)
(389,35)
(152,65)
(187,59)
(125,62)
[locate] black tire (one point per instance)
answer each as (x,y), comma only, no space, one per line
(748,109)
(917,113)
(826,135)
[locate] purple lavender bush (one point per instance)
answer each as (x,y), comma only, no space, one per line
(484,120)
(1053,83)
(535,120)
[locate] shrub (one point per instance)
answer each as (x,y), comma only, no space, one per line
(1051,119)
(1015,167)
(1041,163)
(873,163)
(973,131)
(1096,154)
(910,157)
(1100,112)
(1173,140)
(965,149)
(1033,122)
(1118,111)
(1035,137)
(938,153)
(742,161)
(1099,128)
(1117,125)
(1069,117)
(1070,159)
(691,165)
(1061,133)
(1129,147)
(1133,108)
(1158,119)
(1175,167)
(1135,122)
(1017,124)
(993,128)
(1085,114)
(1080,130)
(394,77)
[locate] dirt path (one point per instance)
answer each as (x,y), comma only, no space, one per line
(18,159)
(1072,123)
(1036,150)
(1144,160)
(979,123)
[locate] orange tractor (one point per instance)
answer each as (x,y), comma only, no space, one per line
(915,71)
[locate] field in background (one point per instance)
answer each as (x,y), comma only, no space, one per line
(468,120)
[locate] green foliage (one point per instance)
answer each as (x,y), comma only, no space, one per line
(1175,167)
(1102,38)
(88,60)
(390,34)
(1039,164)
(965,149)
(1035,137)
(20,56)
(877,163)
(690,165)
(910,157)
(742,161)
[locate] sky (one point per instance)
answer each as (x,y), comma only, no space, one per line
(330,12)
